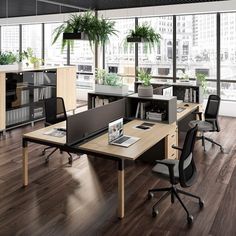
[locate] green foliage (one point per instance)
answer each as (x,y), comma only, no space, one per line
(202,79)
(104,78)
(7,58)
(32,57)
(147,35)
(144,77)
(97,30)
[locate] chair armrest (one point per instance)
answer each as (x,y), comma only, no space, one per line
(170,168)
(177,148)
(199,113)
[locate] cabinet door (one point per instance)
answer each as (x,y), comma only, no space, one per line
(2,101)
(66,86)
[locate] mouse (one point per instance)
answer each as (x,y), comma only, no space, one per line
(186,105)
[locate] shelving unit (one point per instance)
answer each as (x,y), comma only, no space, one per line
(138,107)
(23,93)
(99,99)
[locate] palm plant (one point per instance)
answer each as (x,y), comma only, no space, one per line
(96,30)
(144,33)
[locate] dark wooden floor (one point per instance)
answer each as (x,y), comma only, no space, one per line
(81,200)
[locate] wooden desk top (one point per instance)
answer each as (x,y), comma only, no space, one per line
(148,138)
(40,136)
(188,109)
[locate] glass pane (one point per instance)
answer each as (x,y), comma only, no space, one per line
(82,56)
(228,55)
(53,54)
(32,38)
(10,38)
(119,55)
(160,59)
(196,45)
(228,91)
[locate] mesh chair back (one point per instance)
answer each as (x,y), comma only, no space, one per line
(187,168)
(55,111)
(212,110)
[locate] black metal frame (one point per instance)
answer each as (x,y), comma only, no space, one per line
(74,149)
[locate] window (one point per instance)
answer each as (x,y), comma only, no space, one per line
(159,58)
(228,56)
(196,47)
(82,56)
(53,53)
(32,38)
(119,55)
(10,38)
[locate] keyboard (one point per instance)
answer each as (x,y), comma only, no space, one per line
(121,140)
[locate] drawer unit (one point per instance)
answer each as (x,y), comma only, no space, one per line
(171,139)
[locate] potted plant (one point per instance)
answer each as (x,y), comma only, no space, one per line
(21,56)
(145,89)
(85,26)
(144,33)
(201,80)
(109,83)
(33,59)
(7,61)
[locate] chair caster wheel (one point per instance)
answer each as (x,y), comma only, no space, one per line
(150,195)
(190,219)
(222,149)
(43,153)
(154,213)
(201,204)
(46,161)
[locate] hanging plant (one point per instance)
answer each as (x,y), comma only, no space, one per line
(144,34)
(85,27)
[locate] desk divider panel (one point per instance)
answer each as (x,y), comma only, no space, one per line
(85,124)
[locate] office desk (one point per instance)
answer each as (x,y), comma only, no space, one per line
(99,147)
(188,109)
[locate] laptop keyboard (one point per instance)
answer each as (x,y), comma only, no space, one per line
(121,140)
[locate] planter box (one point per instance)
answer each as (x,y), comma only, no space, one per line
(75,36)
(135,40)
(123,90)
(145,91)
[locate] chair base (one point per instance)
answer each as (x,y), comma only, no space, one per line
(174,192)
(70,158)
(203,138)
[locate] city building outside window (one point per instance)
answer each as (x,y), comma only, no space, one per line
(10,38)
(228,56)
(32,38)
(196,47)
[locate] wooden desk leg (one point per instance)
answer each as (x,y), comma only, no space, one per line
(25,163)
(121,190)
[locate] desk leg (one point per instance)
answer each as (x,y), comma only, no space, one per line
(25,163)
(121,190)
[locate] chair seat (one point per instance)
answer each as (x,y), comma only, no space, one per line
(202,125)
(163,169)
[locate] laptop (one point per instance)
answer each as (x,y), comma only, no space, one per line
(116,134)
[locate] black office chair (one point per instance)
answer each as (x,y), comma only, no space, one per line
(210,124)
(182,171)
(55,112)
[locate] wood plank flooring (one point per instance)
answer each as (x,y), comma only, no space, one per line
(81,199)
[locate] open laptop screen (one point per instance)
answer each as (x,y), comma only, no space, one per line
(115,130)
